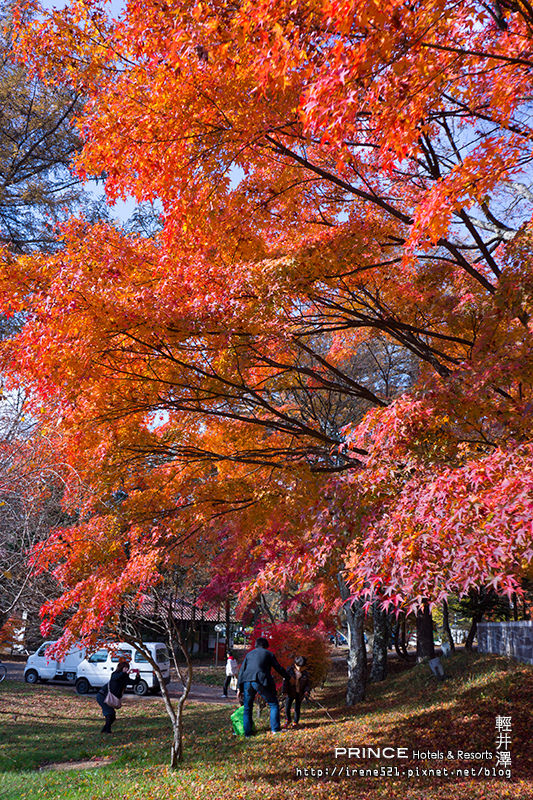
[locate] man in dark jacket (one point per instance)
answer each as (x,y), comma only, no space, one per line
(117,684)
(255,677)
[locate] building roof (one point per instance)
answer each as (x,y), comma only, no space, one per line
(184,608)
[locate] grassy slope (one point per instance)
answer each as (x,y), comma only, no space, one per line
(41,725)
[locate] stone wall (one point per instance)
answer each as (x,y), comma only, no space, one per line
(513,639)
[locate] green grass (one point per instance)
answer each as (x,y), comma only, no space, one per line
(210,676)
(43,725)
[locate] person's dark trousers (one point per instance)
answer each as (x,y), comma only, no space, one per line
(109,713)
(297,706)
(226,685)
(250,689)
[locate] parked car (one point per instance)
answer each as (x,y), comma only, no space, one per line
(95,670)
(42,667)
(338,639)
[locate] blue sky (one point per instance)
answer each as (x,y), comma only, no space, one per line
(122,208)
(115,5)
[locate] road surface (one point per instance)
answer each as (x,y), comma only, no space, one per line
(200,693)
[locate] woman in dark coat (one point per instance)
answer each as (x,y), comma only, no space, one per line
(296,686)
(117,685)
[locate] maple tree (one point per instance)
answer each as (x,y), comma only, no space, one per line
(336,179)
(157,615)
(37,143)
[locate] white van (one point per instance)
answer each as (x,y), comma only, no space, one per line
(41,667)
(95,670)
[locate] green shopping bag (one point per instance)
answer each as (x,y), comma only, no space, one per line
(237,722)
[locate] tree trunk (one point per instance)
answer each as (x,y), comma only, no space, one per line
(176,747)
(266,607)
(446,625)
(379,645)
(175,713)
(425,647)
(476,619)
(397,643)
(357,666)
(403,638)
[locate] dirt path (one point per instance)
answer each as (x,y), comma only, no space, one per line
(65,766)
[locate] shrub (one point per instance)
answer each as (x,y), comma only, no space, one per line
(287,640)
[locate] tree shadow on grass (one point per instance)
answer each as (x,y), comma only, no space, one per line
(464,729)
(412,711)
(418,713)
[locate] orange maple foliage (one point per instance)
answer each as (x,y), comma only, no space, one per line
(332,177)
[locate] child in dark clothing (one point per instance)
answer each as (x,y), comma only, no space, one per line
(296,686)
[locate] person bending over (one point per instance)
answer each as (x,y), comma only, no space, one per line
(117,684)
(255,677)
